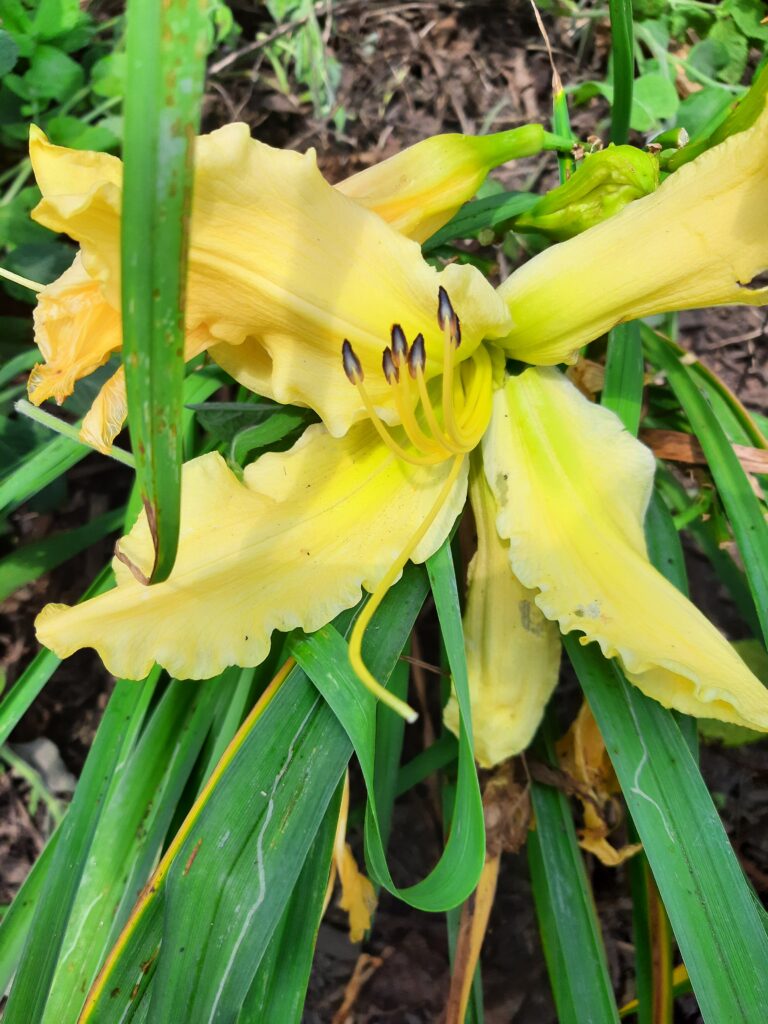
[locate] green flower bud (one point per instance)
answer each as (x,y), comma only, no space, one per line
(601,186)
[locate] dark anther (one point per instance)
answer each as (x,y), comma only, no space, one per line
(389,366)
(417,357)
(456,331)
(445,313)
(399,345)
(352,366)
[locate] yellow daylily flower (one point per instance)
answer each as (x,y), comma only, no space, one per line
(699,240)
(513,652)
(283,268)
(243,232)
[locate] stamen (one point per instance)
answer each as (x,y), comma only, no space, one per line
(352,365)
(356,639)
(399,345)
(354,371)
(23,281)
(417,357)
(388,364)
(445,313)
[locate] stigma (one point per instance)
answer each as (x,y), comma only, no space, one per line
(437,423)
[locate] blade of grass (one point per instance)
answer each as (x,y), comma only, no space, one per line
(570,932)
(29,561)
(130,834)
(29,993)
(165,53)
(711,908)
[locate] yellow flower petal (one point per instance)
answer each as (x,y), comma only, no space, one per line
(291,546)
(699,240)
(419,190)
(513,653)
(76,331)
(282,268)
(572,488)
(105,419)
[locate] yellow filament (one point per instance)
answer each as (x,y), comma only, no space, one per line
(408,419)
(356,639)
(448,389)
(429,412)
(23,281)
(386,437)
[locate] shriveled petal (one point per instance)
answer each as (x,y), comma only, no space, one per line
(282,268)
(572,488)
(291,546)
(105,419)
(699,240)
(419,190)
(513,653)
(76,331)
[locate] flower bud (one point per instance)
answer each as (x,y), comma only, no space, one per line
(602,185)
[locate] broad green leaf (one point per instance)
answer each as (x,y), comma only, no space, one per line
(654,99)
(166,47)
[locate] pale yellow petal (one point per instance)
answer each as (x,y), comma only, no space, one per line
(76,330)
(699,240)
(513,652)
(418,190)
(105,419)
(290,546)
(572,488)
(282,268)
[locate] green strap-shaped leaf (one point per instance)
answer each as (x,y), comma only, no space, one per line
(570,932)
(623,388)
(479,214)
(166,48)
(26,1003)
(324,657)
(623,56)
(711,909)
(743,508)
(279,989)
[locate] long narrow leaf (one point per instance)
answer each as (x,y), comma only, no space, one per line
(743,508)
(712,911)
(166,47)
(573,944)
